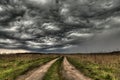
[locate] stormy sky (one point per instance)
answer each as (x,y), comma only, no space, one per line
(60,25)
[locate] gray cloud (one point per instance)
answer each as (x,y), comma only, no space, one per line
(60,25)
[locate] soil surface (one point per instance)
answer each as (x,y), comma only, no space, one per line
(71,73)
(37,74)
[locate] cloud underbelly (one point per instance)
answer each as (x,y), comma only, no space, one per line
(56,25)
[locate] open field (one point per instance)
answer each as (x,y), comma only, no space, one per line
(60,66)
(14,65)
(98,66)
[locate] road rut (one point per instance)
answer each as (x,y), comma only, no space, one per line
(39,73)
(71,73)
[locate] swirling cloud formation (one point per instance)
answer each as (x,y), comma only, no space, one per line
(60,25)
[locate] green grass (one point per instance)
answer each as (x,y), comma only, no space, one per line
(54,71)
(10,69)
(93,70)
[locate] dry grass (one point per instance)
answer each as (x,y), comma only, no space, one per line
(13,65)
(98,66)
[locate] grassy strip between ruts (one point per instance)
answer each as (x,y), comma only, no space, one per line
(54,71)
(94,71)
(20,67)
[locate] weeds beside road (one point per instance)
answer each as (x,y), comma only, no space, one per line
(12,67)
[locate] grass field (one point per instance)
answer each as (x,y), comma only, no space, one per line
(98,66)
(94,66)
(12,66)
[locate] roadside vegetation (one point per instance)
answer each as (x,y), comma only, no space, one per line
(98,66)
(94,66)
(54,72)
(11,66)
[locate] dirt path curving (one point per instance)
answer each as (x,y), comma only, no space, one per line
(37,74)
(71,73)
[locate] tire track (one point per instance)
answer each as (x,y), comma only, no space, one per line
(40,72)
(71,73)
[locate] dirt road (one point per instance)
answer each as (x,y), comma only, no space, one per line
(71,73)
(38,73)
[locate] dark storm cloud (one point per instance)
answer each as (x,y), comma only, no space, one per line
(60,25)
